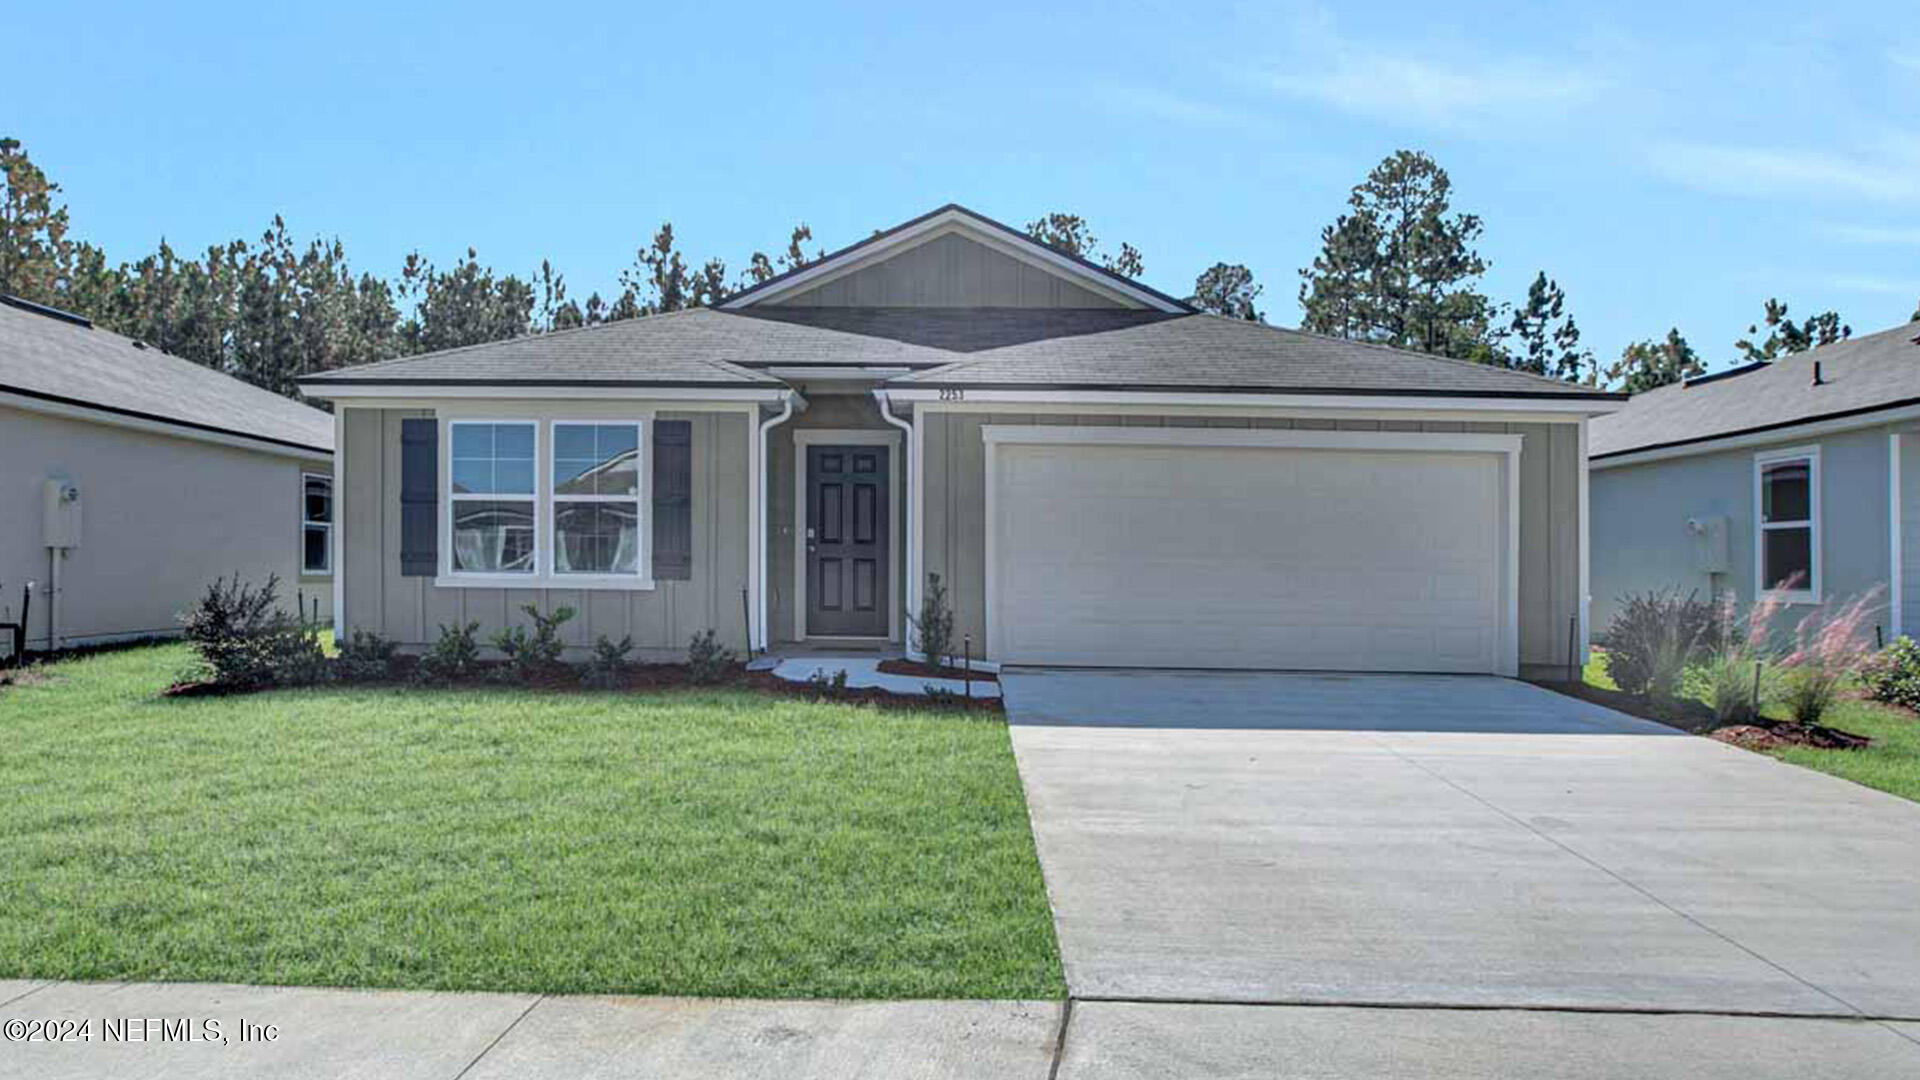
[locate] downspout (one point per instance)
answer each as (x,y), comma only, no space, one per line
(53,598)
(760,520)
(913,515)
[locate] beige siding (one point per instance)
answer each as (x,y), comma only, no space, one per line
(661,620)
(161,516)
(954,511)
(949,271)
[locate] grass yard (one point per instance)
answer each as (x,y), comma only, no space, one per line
(1891,764)
(706,843)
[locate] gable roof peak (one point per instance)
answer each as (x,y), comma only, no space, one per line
(953,216)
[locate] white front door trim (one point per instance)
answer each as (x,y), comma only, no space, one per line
(1507,446)
(803,438)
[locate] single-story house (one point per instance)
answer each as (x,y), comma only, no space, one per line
(1795,478)
(1098,474)
(129,479)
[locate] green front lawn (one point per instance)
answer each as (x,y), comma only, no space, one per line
(1891,764)
(709,843)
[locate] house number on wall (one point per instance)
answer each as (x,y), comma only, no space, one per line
(947,394)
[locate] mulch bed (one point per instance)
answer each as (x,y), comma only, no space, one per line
(642,678)
(1695,718)
(922,670)
(1781,734)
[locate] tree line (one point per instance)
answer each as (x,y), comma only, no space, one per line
(1399,267)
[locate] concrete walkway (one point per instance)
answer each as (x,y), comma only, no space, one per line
(412,1035)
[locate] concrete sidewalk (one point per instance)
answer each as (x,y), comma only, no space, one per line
(417,1035)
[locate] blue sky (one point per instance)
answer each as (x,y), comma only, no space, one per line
(1670,165)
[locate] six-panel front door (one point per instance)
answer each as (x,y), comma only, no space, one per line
(847,541)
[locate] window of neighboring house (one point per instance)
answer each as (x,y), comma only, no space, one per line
(316,523)
(492,496)
(1788,542)
(596,498)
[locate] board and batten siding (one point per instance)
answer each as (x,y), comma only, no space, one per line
(954,508)
(661,620)
(1640,513)
(950,271)
(1910,531)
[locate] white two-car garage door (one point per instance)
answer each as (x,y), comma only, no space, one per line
(1309,550)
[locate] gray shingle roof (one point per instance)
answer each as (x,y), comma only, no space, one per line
(1866,373)
(1209,352)
(985,347)
(697,347)
(53,359)
(959,330)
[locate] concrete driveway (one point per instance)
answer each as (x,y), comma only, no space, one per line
(1450,842)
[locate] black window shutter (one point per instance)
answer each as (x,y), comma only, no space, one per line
(673,500)
(419,497)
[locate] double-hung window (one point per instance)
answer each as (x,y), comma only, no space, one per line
(492,497)
(316,523)
(596,498)
(1787,540)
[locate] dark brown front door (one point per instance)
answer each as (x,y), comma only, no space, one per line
(847,541)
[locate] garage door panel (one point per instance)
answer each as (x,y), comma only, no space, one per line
(1247,557)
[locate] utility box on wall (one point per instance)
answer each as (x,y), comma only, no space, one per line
(1711,554)
(61,517)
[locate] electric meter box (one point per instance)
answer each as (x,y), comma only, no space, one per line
(62,514)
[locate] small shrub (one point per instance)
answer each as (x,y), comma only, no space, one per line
(1830,644)
(943,697)
(828,684)
(366,656)
(1654,639)
(455,655)
(933,628)
(246,642)
(608,666)
(535,655)
(708,661)
(1893,674)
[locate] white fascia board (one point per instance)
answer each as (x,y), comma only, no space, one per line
(374,392)
(109,418)
(1447,408)
(953,221)
(1810,429)
(1284,438)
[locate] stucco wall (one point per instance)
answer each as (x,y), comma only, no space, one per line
(955,509)
(160,517)
(1641,543)
(661,620)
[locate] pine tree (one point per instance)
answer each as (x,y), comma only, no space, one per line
(1785,337)
(1228,290)
(1647,365)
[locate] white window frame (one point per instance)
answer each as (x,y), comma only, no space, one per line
(642,576)
(543,575)
(449,497)
(1761,526)
(306,523)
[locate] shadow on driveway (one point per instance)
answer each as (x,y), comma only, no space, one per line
(1304,701)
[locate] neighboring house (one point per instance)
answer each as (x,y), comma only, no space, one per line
(1098,474)
(1822,442)
(129,479)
